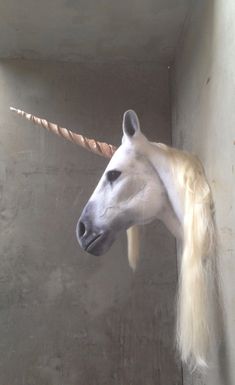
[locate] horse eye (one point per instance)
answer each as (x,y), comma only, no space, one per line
(113,175)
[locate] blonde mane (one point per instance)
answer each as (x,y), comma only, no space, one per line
(133,246)
(197,266)
(197,272)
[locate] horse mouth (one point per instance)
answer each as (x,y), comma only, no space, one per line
(92,246)
(99,244)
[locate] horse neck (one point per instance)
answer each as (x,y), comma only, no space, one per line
(169,218)
(161,157)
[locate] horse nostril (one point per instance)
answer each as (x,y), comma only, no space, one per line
(82,229)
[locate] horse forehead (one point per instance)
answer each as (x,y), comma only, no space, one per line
(123,157)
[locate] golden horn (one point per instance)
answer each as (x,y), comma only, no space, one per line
(100,148)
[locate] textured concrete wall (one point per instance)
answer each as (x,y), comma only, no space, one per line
(203,122)
(67,318)
(87,31)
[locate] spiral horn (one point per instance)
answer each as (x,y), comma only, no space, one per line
(101,148)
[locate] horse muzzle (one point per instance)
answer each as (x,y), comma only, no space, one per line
(93,240)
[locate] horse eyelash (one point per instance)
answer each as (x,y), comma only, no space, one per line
(112,175)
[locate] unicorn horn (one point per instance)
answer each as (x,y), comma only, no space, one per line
(100,148)
(103,149)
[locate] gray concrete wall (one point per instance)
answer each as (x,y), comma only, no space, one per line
(67,318)
(204,123)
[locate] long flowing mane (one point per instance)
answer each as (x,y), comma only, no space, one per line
(197,270)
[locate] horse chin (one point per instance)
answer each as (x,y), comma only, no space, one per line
(101,244)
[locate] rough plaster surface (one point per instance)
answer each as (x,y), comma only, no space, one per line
(203,122)
(67,318)
(81,30)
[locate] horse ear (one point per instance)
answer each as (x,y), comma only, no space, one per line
(130,123)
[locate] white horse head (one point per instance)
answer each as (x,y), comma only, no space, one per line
(129,192)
